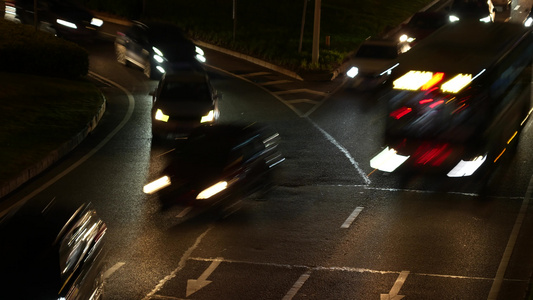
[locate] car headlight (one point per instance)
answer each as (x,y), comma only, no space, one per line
(158,58)
(160,116)
(157,185)
(66,23)
(486,19)
(528,22)
(405,38)
(97,22)
(212,190)
(468,167)
(208,118)
(352,72)
(157,51)
(453,18)
(200,56)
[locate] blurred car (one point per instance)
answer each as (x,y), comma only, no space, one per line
(371,64)
(157,48)
(61,18)
(218,163)
(470,9)
(528,21)
(183,101)
(52,253)
(500,10)
(421,25)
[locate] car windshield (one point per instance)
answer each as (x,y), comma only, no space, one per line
(377,51)
(184,91)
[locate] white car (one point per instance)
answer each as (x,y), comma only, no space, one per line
(373,62)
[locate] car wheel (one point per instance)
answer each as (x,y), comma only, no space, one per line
(148,69)
(120,52)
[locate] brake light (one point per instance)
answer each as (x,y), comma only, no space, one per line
(434,155)
(397,114)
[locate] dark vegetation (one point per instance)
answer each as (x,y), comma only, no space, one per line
(26,50)
(271,30)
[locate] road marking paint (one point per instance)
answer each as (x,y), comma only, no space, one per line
(295,101)
(297,285)
(295,91)
(184,212)
(500,273)
(256,74)
(194,285)
(393,294)
(343,150)
(129,113)
(352,217)
(274,82)
(113,269)
(346,269)
(181,264)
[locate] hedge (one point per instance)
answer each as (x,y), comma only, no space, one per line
(23,49)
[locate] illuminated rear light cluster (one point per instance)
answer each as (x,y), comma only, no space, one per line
(432,155)
(424,80)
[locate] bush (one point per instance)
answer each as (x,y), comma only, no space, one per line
(26,50)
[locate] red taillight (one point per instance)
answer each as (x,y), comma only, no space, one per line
(434,155)
(397,114)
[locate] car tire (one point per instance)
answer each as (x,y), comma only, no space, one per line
(120,52)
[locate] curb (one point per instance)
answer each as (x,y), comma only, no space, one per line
(54,156)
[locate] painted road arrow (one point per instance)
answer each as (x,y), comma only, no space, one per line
(393,294)
(194,285)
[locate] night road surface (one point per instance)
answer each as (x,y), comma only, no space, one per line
(330,229)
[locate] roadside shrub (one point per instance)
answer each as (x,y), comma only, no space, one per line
(26,50)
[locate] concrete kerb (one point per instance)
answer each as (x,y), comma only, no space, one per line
(54,156)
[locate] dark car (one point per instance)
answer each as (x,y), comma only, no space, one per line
(470,10)
(421,25)
(217,163)
(52,253)
(61,18)
(182,102)
(157,48)
(370,66)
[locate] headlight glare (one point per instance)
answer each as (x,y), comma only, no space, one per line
(209,117)
(66,24)
(160,116)
(156,185)
(97,22)
(157,51)
(352,72)
(212,190)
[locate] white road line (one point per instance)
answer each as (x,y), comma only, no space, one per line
(347,269)
(294,101)
(295,91)
(343,150)
(181,264)
(113,269)
(297,285)
(274,82)
(500,273)
(255,74)
(129,113)
(352,217)
(184,212)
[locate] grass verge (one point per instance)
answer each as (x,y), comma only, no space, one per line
(38,115)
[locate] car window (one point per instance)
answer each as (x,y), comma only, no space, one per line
(377,51)
(176,91)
